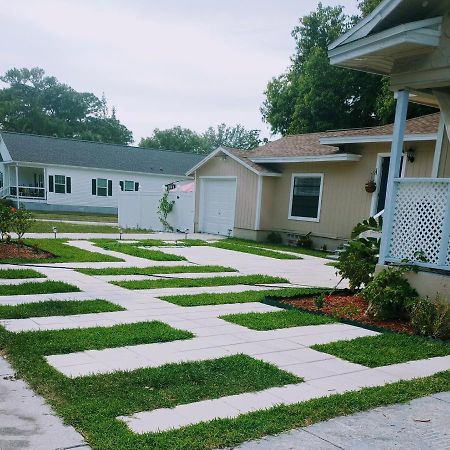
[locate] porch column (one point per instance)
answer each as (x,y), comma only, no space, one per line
(17,186)
(394,169)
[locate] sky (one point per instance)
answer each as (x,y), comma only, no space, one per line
(194,63)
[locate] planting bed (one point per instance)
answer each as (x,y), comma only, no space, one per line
(12,250)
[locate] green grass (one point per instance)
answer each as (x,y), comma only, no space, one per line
(44,287)
(47,227)
(133,250)
(57,308)
(155,270)
(68,215)
(385,349)
(62,253)
(259,251)
(277,319)
(238,297)
(199,282)
(17,274)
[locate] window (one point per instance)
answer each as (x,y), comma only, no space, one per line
(59,184)
(129,185)
(306,196)
(102,187)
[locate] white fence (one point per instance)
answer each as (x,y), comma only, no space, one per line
(420,228)
(140,210)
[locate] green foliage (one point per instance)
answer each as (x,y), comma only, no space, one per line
(274,238)
(431,318)
(33,287)
(186,140)
(39,104)
(152,270)
(389,294)
(16,274)
(6,220)
(319,301)
(165,207)
(22,222)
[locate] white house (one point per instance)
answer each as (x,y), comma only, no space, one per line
(55,174)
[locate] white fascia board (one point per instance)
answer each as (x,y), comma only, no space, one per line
(4,152)
(204,160)
(306,159)
(375,139)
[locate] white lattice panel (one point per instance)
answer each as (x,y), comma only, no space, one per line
(418,220)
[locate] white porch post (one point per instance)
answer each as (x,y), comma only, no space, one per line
(17,186)
(438,148)
(394,169)
(258,203)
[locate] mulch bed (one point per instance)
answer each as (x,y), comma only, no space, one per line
(349,307)
(13,250)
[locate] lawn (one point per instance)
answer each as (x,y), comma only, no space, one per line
(62,253)
(134,250)
(160,270)
(44,287)
(277,319)
(239,297)
(81,216)
(199,282)
(47,227)
(385,349)
(254,250)
(57,308)
(16,274)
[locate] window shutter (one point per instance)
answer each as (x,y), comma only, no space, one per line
(94,186)
(121,185)
(68,185)
(51,187)
(109,188)
(136,186)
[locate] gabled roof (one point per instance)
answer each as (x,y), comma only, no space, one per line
(47,150)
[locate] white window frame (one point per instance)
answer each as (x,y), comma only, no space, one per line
(59,184)
(97,187)
(291,196)
(125,185)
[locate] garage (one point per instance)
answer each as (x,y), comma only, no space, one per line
(217,205)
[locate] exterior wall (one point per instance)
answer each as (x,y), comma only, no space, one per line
(247,186)
(444,164)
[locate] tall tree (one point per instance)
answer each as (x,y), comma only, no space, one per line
(39,104)
(235,137)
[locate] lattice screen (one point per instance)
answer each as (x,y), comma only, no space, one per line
(418,220)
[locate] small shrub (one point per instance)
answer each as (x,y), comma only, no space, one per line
(164,209)
(305,241)
(389,295)
(274,238)
(22,222)
(6,220)
(431,318)
(319,301)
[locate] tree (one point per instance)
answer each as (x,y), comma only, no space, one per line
(39,104)
(186,140)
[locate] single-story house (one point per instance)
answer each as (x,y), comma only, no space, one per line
(409,41)
(55,174)
(311,183)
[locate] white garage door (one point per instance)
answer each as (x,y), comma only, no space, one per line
(217,205)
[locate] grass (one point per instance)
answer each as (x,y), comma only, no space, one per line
(155,270)
(385,349)
(134,250)
(44,287)
(47,227)
(277,319)
(199,282)
(62,253)
(17,274)
(259,251)
(57,308)
(68,215)
(238,297)
(91,404)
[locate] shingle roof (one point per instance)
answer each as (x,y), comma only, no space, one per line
(243,156)
(71,152)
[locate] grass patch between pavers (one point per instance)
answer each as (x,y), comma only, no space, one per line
(160,270)
(385,349)
(134,250)
(57,308)
(254,250)
(277,319)
(44,287)
(199,282)
(16,274)
(238,297)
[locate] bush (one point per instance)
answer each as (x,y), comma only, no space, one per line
(305,241)
(390,296)
(6,220)
(22,222)
(431,318)
(274,238)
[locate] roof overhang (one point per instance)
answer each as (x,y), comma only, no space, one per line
(306,159)
(340,140)
(4,152)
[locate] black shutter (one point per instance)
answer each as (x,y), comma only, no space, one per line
(109,188)
(94,186)
(50,184)
(136,186)
(68,185)
(121,185)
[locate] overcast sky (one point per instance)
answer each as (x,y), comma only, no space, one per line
(193,63)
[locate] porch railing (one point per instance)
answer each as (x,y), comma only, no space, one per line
(420,227)
(29,192)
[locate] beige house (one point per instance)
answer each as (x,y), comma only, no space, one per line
(307,183)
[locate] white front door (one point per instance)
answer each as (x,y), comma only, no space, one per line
(217,205)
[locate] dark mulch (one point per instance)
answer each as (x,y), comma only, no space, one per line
(11,250)
(349,307)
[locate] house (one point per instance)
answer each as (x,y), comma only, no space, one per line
(306,183)
(409,41)
(54,174)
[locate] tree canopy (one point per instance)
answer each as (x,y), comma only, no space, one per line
(186,140)
(312,95)
(39,104)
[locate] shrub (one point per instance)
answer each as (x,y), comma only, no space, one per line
(305,241)
(431,318)
(319,301)
(164,209)
(389,294)
(22,221)
(274,238)
(6,220)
